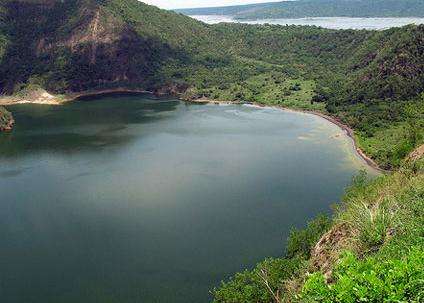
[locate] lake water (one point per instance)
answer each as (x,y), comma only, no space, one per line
(132,199)
(326,22)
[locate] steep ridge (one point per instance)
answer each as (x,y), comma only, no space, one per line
(78,45)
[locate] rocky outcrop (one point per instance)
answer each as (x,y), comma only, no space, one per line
(326,252)
(417,154)
(6,120)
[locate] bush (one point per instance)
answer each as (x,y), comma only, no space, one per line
(300,242)
(370,280)
(259,285)
(266,281)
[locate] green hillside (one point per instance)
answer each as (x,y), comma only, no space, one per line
(316,8)
(370,80)
(372,250)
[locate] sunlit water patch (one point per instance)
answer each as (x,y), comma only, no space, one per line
(131,199)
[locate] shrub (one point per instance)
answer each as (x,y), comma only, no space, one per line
(260,285)
(370,280)
(265,283)
(372,223)
(300,242)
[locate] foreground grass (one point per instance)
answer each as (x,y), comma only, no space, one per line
(372,250)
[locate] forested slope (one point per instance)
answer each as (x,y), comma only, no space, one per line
(373,81)
(368,79)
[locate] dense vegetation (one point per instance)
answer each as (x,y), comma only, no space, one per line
(317,8)
(371,251)
(372,81)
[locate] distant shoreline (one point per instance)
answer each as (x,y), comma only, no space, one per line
(45,98)
(347,130)
(53,100)
(331,23)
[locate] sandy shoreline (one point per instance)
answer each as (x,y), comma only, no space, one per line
(347,130)
(45,98)
(48,99)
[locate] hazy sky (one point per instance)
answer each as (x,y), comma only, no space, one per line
(200,3)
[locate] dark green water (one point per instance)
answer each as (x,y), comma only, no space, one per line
(129,199)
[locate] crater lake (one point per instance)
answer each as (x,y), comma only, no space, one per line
(136,199)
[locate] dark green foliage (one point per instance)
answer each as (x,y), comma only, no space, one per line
(365,78)
(388,132)
(370,280)
(250,286)
(372,81)
(300,242)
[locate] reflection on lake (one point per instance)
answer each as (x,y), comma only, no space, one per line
(130,199)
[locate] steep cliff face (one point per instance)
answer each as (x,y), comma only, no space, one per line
(78,45)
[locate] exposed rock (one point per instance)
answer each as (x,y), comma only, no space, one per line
(39,96)
(327,250)
(83,46)
(417,154)
(171,89)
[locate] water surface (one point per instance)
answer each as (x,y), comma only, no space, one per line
(325,22)
(131,199)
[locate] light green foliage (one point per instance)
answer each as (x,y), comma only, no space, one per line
(383,220)
(270,88)
(385,217)
(383,210)
(372,280)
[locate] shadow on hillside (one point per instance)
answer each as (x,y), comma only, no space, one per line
(43,45)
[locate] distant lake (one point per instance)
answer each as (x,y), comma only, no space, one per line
(132,199)
(326,22)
